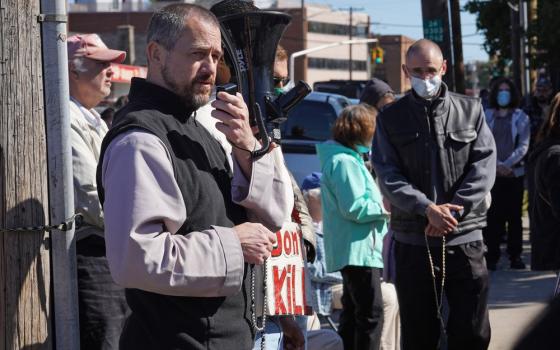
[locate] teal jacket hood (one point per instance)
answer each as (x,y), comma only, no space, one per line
(328,149)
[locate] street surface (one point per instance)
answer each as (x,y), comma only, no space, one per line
(516,298)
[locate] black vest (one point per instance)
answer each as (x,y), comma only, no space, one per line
(204,178)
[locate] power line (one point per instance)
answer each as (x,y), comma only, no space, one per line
(319,41)
(396,25)
(408,25)
(297,38)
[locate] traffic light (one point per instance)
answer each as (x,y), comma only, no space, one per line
(377,55)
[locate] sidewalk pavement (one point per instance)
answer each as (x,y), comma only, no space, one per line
(516,297)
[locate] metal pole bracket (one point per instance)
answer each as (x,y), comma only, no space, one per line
(58,18)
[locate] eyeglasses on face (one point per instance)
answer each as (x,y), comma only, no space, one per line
(280,81)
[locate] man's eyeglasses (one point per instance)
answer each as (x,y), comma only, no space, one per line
(279,81)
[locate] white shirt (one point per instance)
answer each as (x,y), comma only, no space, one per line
(87,131)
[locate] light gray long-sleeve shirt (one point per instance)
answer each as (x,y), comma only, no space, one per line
(144,208)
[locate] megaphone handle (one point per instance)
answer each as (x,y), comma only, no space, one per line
(262,133)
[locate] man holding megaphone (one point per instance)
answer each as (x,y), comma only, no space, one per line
(176,226)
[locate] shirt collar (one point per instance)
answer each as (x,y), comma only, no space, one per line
(90,115)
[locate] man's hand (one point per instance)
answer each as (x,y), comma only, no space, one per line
(441,220)
(293,336)
(387,205)
(502,170)
(234,120)
(256,242)
(432,231)
(273,145)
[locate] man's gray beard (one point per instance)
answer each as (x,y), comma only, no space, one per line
(190,100)
(199,100)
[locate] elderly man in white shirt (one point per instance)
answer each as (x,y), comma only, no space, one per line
(102,305)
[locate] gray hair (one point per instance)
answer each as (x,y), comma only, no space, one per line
(77,63)
(168,23)
(312,193)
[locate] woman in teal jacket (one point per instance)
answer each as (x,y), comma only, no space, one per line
(354,223)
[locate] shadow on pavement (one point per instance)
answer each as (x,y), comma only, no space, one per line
(511,288)
(515,288)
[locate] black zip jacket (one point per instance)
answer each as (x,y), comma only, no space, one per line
(466,159)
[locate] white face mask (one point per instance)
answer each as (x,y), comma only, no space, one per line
(426,88)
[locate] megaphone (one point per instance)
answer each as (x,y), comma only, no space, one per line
(250,38)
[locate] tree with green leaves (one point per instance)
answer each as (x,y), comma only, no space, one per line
(547,30)
(494,22)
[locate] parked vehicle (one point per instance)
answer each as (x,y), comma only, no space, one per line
(349,88)
(309,123)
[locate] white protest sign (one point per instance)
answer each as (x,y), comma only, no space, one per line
(285,269)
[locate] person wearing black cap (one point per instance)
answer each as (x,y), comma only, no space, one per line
(378,94)
(537,107)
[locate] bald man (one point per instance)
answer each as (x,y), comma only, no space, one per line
(435,159)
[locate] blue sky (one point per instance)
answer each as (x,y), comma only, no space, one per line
(405,17)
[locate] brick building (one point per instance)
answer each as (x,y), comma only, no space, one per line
(319,25)
(123,26)
(395,47)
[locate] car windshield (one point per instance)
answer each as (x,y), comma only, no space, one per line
(310,120)
(350,90)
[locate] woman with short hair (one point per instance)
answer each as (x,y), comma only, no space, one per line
(354,223)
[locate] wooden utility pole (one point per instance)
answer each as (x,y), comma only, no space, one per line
(533,17)
(515,45)
(525,87)
(25,297)
(458,64)
(350,36)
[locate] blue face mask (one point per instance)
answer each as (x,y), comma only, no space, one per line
(504,98)
(363,149)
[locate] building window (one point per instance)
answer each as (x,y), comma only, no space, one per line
(333,64)
(337,29)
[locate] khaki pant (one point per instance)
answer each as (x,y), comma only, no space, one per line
(391,332)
